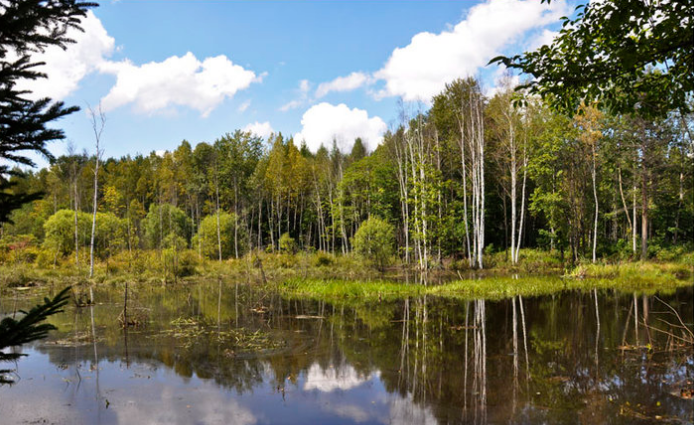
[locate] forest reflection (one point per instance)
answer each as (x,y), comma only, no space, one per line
(596,356)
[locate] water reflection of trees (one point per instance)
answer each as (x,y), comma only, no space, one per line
(458,361)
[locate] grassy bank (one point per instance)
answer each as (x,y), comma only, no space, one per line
(489,288)
(326,275)
(646,277)
(155,268)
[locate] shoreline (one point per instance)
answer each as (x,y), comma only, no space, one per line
(346,278)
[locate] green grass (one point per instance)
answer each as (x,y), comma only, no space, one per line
(321,275)
(530,261)
(335,288)
(637,277)
(638,272)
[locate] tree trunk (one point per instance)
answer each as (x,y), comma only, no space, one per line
(98,128)
(219,232)
(633,228)
(522,215)
(462,162)
(77,240)
(236,219)
(595,196)
(624,203)
(514,178)
(644,216)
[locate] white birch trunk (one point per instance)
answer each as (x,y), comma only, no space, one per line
(514,179)
(633,228)
(77,240)
(219,233)
(624,203)
(522,215)
(595,196)
(98,128)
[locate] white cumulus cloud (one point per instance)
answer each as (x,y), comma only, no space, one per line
(262,129)
(324,122)
(66,68)
(341,84)
(420,70)
(176,81)
(155,86)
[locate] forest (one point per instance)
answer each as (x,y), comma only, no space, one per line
(471,176)
(589,160)
(521,253)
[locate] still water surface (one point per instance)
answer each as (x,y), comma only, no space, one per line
(226,354)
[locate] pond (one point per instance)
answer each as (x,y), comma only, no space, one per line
(220,353)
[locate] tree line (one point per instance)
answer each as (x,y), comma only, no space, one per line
(473,174)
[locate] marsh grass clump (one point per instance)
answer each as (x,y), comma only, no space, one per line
(642,272)
(323,259)
(490,287)
(336,288)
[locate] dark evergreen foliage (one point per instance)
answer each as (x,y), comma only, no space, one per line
(29,328)
(27,27)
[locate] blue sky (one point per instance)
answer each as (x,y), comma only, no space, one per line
(194,70)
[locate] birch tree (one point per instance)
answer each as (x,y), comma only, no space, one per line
(588,121)
(98,120)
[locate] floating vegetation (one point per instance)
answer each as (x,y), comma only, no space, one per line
(188,331)
(77,339)
(136,318)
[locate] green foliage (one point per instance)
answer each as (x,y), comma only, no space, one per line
(179,262)
(165,220)
(323,260)
(28,27)
(206,242)
(287,243)
(633,56)
(187,263)
(110,236)
(375,240)
(278,196)
(60,231)
(29,328)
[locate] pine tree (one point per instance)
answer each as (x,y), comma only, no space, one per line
(27,27)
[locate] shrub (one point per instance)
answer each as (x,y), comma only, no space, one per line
(111,233)
(162,221)
(206,238)
(187,262)
(44,258)
(287,243)
(375,241)
(323,259)
(674,253)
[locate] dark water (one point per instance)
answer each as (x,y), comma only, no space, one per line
(210,356)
